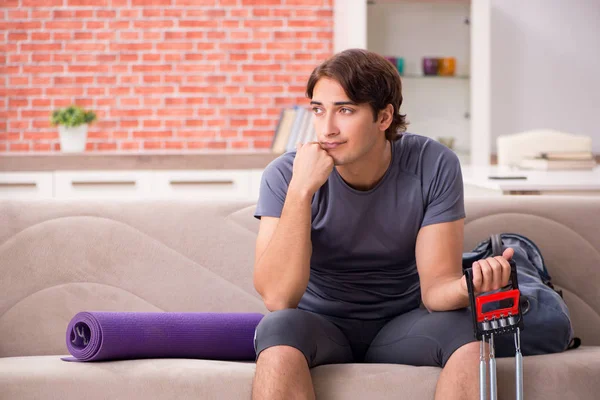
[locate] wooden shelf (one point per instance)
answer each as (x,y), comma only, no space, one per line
(416,76)
(215,160)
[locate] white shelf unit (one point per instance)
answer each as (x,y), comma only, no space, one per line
(26,185)
(213,185)
(195,185)
(435,106)
(103,184)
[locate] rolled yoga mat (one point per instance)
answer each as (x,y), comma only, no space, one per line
(98,336)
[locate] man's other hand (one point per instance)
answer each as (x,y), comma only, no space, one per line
(491,273)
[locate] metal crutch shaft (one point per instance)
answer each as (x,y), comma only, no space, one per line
(493,382)
(482,371)
(519,365)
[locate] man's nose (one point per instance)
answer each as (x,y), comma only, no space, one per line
(329,127)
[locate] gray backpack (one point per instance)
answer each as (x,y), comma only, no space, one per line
(547,324)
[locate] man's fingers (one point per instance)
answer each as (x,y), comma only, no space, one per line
(486,272)
(492,273)
(298,146)
(508,253)
(477,277)
(496,267)
(505,270)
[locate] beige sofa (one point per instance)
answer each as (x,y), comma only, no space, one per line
(59,258)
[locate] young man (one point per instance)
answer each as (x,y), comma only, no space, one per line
(359,252)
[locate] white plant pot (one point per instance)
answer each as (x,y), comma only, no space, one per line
(73,139)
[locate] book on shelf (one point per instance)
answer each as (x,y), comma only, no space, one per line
(567,155)
(295,125)
(547,164)
(282,131)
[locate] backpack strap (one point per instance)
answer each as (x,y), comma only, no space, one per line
(496,240)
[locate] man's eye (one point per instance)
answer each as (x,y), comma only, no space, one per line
(316,110)
(345,110)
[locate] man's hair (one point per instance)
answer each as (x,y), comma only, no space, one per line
(366,77)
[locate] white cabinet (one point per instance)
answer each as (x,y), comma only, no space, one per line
(26,185)
(203,184)
(102,184)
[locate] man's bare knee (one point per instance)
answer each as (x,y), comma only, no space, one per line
(287,355)
(282,373)
(459,373)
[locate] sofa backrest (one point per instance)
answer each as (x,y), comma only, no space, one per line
(60,257)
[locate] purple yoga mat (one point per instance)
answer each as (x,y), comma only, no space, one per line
(97,336)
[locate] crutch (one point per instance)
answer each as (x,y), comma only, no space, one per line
(503,316)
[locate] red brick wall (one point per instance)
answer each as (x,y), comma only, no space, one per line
(160,74)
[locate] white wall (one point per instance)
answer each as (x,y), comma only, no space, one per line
(346,14)
(546,67)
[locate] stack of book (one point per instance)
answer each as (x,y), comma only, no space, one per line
(295,126)
(560,161)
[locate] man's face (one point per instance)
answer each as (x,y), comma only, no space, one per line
(345,129)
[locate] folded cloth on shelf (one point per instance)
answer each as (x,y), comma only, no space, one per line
(98,336)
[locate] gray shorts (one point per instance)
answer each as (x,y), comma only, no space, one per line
(415,338)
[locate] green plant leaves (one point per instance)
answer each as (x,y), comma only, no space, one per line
(72,116)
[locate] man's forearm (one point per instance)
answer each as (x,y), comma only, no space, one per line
(446,295)
(283,270)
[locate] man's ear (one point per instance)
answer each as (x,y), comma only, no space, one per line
(386,116)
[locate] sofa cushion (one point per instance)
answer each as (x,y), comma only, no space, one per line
(569,375)
(45,377)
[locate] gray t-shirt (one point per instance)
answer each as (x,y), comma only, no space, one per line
(363,262)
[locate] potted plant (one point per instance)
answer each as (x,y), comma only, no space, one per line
(72,124)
